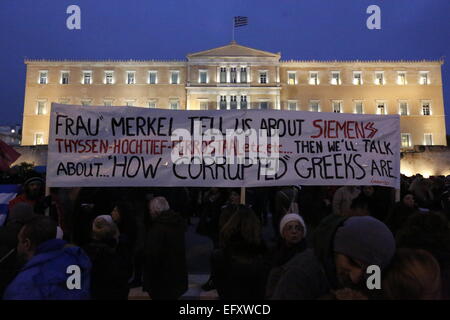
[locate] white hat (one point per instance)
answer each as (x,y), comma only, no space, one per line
(292,217)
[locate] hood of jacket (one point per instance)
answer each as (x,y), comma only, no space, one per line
(323,244)
(56,255)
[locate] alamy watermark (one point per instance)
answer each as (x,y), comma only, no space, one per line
(247,147)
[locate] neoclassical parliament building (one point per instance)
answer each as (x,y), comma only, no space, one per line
(238,77)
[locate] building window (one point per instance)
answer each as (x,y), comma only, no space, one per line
(381,108)
(264,105)
(359,109)
(131,77)
(426,109)
(263,77)
(401,77)
(379,78)
(406,140)
(223,75)
(314,78)
(428,139)
(40,110)
(174,77)
(152,104)
(335,78)
(174,104)
(233,102)
(64,101)
(292,105)
(38,138)
(357,78)
(87,77)
(403,108)
(43,77)
(130,103)
(64,77)
(423,78)
(243,102)
(109,77)
(203,76)
(337,106)
(204,105)
(223,103)
(152,77)
(233,75)
(314,106)
(243,75)
(107,103)
(292,77)
(85,102)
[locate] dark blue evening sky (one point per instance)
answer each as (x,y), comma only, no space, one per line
(169,29)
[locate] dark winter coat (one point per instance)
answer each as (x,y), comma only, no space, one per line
(278,257)
(398,216)
(311,274)
(165,268)
(111,266)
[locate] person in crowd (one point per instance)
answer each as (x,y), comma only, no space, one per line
(44,275)
(165,266)
(413,274)
(212,203)
(20,214)
(429,231)
(286,201)
(401,211)
(123,216)
(293,234)
(227,210)
(343,198)
(421,189)
(374,203)
(217,224)
(359,207)
(110,261)
(33,194)
(314,204)
(343,249)
(239,267)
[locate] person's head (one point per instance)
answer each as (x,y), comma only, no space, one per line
(359,243)
(413,274)
(158,205)
(359,207)
(234,197)
(408,200)
(368,191)
(37,231)
(34,188)
(243,223)
(20,213)
(292,228)
(120,212)
(104,228)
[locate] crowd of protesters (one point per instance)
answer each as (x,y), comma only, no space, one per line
(324,241)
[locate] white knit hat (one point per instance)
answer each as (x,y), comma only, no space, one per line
(292,217)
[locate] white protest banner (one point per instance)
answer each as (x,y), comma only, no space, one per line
(128,146)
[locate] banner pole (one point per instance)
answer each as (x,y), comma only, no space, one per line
(242,195)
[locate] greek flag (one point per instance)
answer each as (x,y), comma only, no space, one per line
(7,193)
(240,21)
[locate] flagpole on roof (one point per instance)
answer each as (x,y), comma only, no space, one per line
(232,30)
